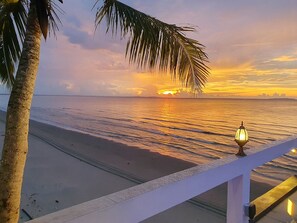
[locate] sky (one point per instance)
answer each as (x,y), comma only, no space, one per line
(251,44)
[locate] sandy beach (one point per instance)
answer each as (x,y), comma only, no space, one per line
(65,168)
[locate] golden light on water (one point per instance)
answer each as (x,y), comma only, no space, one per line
(290,207)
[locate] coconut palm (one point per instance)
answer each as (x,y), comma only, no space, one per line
(151,44)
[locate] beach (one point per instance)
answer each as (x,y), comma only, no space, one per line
(65,168)
(187,129)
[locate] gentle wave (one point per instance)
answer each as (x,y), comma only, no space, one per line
(194,130)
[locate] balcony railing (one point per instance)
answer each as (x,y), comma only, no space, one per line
(148,199)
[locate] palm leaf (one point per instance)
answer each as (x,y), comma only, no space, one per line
(155,44)
(47,16)
(41,9)
(13,19)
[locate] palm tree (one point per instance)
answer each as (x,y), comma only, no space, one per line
(151,44)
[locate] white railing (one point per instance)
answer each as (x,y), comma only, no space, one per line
(158,195)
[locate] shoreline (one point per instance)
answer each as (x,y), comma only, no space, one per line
(108,152)
(97,154)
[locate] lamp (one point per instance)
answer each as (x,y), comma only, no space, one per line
(241,138)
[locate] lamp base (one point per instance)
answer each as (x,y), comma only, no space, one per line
(240,152)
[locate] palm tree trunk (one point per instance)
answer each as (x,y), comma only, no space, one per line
(15,146)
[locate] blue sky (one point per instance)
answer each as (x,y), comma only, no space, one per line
(252,47)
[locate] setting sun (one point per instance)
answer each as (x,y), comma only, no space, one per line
(167,92)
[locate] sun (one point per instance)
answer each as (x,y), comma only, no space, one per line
(167,92)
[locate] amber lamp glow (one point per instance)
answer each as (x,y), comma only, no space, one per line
(290,208)
(241,138)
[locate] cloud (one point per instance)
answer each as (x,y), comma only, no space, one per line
(67,85)
(274,95)
(93,41)
(285,59)
(251,45)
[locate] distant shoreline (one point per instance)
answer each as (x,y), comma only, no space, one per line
(170,97)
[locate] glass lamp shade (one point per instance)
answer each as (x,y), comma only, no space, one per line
(241,136)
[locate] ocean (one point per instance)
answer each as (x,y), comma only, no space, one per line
(196,130)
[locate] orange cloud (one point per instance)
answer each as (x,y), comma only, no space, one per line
(285,59)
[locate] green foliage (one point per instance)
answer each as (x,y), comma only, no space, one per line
(47,16)
(13,18)
(155,44)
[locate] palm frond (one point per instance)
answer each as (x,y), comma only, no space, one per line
(47,16)
(155,44)
(13,19)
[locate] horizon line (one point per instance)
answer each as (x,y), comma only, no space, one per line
(172,97)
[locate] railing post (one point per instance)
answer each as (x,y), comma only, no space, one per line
(238,197)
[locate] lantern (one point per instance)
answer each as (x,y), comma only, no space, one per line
(241,138)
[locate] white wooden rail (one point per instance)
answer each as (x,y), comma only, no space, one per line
(161,194)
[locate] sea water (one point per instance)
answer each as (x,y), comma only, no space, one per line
(196,130)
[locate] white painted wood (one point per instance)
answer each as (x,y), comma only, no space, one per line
(127,206)
(238,197)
